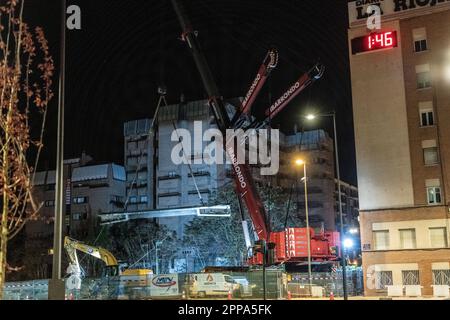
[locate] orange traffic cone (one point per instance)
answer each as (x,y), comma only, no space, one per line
(289,295)
(331,296)
(230,295)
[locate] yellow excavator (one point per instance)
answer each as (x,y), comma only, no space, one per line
(111,265)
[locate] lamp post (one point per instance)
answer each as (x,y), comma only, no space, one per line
(56,290)
(311,117)
(158,243)
(300,162)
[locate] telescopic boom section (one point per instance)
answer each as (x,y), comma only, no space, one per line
(243,179)
(270,63)
(304,82)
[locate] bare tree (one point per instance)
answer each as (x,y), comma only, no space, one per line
(26,71)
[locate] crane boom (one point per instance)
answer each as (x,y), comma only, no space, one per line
(243,179)
(305,81)
(270,62)
(243,115)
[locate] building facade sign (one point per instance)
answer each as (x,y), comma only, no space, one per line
(390,9)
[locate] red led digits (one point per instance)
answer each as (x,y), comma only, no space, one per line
(388,39)
(374,41)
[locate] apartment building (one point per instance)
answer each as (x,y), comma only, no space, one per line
(153,180)
(401,98)
(350,207)
(316,149)
(90,190)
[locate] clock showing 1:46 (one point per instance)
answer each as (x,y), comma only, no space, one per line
(375,41)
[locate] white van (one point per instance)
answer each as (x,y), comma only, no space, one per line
(212,284)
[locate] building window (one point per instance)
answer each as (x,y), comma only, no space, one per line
(420,45)
(420,39)
(407,238)
(79,216)
(434,195)
(80,200)
(381,240)
(438,237)
(410,278)
(50,203)
(430,156)
(133,200)
(441,277)
(144,199)
(383,279)
(423,80)
(142,175)
(426,118)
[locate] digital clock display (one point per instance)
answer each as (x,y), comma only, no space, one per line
(375,41)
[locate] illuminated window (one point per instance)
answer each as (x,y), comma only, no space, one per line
(423,73)
(381,240)
(438,237)
(133,200)
(430,156)
(423,80)
(434,195)
(407,238)
(80,200)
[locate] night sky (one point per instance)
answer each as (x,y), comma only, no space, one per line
(127,48)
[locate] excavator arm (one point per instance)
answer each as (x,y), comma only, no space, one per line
(72,246)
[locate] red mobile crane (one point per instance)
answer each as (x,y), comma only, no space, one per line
(275,247)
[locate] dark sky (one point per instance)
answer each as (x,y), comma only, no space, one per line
(127,48)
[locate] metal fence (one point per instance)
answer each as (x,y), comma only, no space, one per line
(223,285)
(331,282)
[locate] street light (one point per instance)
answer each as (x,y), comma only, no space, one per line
(299,163)
(157,244)
(311,117)
(348,243)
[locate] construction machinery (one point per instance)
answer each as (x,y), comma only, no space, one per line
(270,247)
(111,268)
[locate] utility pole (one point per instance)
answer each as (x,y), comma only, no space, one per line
(56,289)
(157,258)
(308,231)
(341,219)
(264,250)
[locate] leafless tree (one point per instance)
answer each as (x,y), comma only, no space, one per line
(26,71)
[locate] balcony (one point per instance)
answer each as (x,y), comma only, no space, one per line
(200,174)
(169,194)
(169,177)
